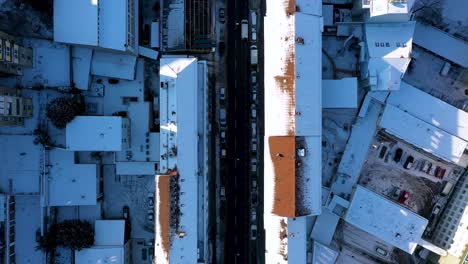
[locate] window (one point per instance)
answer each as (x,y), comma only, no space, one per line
(398,44)
(387,44)
(376,44)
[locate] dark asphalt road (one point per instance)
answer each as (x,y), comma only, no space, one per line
(237,173)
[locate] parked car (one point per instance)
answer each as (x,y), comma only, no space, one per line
(221,48)
(150,200)
(398,154)
(253,216)
(436,209)
(381,251)
(253,18)
(253,35)
(254,77)
(222,116)
(253,232)
(223,135)
(254,199)
(404,195)
(383,150)
(222,94)
(222,15)
(150,215)
(409,162)
(126,212)
(222,194)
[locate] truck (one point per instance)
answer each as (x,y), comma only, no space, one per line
(245,29)
(253,55)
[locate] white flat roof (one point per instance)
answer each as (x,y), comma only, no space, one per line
(109,232)
(339,93)
(81,61)
(113,24)
(447,46)
(70,183)
(431,110)
(95,133)
(422,135)
(385,220)
(76,21)
(113,65)
(181,97)
(324,227)
(99,254)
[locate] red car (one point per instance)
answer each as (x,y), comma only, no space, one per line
(404,195)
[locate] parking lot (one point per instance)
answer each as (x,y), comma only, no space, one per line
(134,192)
(407,176)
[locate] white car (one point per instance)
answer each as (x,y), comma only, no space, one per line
(150,215)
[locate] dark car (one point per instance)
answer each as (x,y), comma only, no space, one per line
(126,212)
(222,15)
(409,162)
(398,154)
(382,152)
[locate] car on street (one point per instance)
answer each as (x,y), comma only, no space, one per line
(436,209)
(150,215)
(253,216)
(253,232)
(223,135)
(222,194)
(253,76)
(150,200)
(409,162)
(398,154)
(254,199)
(222,15)
(381,251)
(222,94)
(244,29)
(221,48)
(253,35)
(222,116)
(253,18)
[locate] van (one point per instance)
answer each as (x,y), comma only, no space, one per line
(244,29)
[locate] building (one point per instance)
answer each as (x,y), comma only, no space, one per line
(385,220)
(181,186)
(13,56)
(110,244)
(445,128)
(98,133)
(386,54)
(293,114)
(377,11)
(69,183)
(13,107)
(106,24)
(451,232)
(7,228)
(186,26)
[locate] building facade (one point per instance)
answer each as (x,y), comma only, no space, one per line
(13,107)
(451,232)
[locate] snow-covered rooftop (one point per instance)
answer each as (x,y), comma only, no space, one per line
(388,10)
(114,65)
(98,23)
(97,133)
(339,93)
(182,122)
(81,61)
(385,220)
(109,232)
(21,164)
(389,48)
(292,112)
(173,31)
(431,110)
(422,135)
(100,254)
(76,21)
(70,183)
(447,46)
